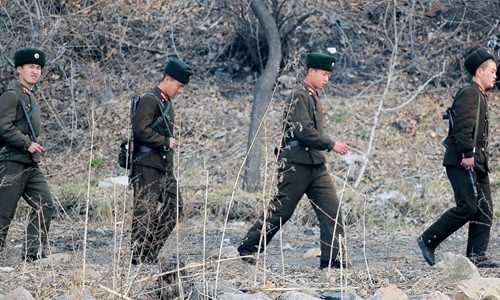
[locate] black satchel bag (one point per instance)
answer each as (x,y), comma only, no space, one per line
(124,157)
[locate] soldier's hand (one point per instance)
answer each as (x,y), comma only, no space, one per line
(340,148)
(468,163)
(35,148)
(172,143)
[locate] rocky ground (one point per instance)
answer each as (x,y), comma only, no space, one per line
(379,256)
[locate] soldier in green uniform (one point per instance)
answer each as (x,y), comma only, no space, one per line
(466,162)
(303,170)
(157,203)
(20,174)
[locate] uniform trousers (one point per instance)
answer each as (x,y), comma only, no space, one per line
(27,181)
(156,204)
(477,211)
(295,181)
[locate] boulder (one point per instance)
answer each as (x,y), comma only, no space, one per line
(295,295)
(436,296)
(312,253)
(242,296)
(54,259)
(390,292)
(457,268)
(478,288)
(226,252)
(18,294)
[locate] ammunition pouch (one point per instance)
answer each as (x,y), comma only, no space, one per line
(124,155)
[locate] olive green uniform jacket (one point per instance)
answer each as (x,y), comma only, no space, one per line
(304,123)
(13,126)
(148,111)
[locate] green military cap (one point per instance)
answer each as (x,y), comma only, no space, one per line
(320,60)
(178,70)
(29,56)
(476,58)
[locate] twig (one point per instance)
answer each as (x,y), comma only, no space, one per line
(114,293)
(284,289)
(419,90)
(381,104)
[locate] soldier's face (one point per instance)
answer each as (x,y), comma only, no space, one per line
(173,87)
(318,78)
(487,75)
(29,74)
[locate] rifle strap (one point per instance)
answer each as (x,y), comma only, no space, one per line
(478,110)
(27,115)
(163,116)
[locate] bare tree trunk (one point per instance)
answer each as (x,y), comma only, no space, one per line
(262,94)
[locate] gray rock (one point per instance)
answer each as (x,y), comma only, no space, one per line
(18,294)
(436,296)
(458,267)
(478,288)
(86,295)
(53,259)
(312,253)
(6,269)
(226,252)
(295,295)
(242,296)
(342,296)
(390,292)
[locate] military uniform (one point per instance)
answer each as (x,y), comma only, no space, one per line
(157,202)
(468,138)
(478,211)
(302,171)
(20,174)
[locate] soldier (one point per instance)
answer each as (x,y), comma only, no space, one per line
(157,203)
(303,170)
(20,174)
(466,162)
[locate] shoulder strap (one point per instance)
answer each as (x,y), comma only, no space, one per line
(164,108)
(163,115)
(27,115)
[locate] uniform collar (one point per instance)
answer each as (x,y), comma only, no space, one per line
(23,88)
(479,88)
(310,89)
(164,97)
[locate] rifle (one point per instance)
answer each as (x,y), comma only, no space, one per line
(131,145)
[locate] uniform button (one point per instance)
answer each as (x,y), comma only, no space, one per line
(164,157)
(307,148)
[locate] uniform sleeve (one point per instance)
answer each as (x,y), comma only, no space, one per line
(302,123)
(465,121)
(8,132)
(141,125)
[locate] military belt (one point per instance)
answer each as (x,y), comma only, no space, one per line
(295,143)
(144,149)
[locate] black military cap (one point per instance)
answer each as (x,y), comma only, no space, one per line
(178,70)
(320,60)
(29,56)
(476,58)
